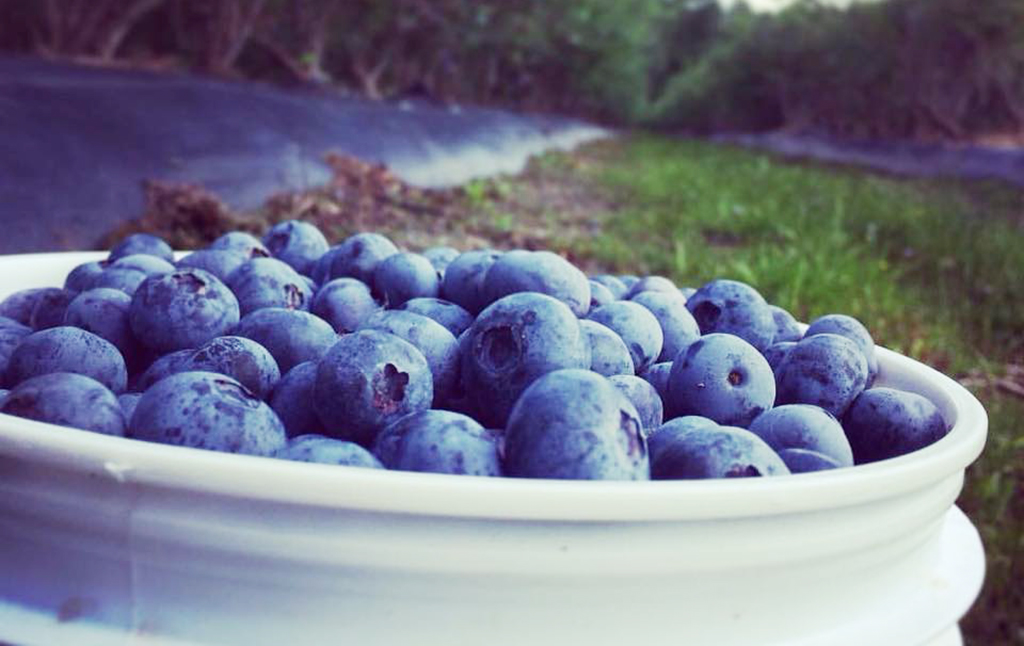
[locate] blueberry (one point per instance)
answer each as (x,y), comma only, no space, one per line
(142,243)
(716,452)
(665,434)
(657,375)
(885,423)
(453,317)
(776,353)
(66,399)
(628,280)
(104,312)
(722,377)
(310,283)
(128,402)
(803,426)
(651,284)
(735,308)
(68,349)
(440,258)
(344,303)
(678,327)
(538,271)
(807,461)
(786,326)
(292,400)
(356,257)
(219,262)
(327,450)
(291,336)
(458,400)
(11,334)
(268,282)
(183,309)
(242,243)
(612,284)
(83,275)
(126,279)
(147,264)
(826,370)
(163,366)
(243,359)
(404,276)
(645,399)
(439,346)
(464,278)
(297,243)
(574,424)
(367,380)
(608,353)
(513,342)
(852,329)
(51,309)
(206,410)
(18,306)
(638,328)
(599,295)
(48,307)
(439,441)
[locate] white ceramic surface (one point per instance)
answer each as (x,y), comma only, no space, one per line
(108,540)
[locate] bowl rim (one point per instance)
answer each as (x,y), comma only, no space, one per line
(137,464)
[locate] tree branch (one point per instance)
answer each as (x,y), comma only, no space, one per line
(84,27)
(122,25)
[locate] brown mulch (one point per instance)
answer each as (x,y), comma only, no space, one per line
(360,196)
(185,215)
(542,208)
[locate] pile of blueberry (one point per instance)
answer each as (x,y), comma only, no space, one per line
(484,363)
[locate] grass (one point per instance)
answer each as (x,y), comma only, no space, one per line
(993,499)
(933,267)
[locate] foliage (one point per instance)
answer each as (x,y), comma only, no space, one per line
(904,68)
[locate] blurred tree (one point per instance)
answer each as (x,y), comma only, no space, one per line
(229,25)
(685,37)
(908,68)
(382,47)
(963,62)
(296,33)
(94,28)
(902,68)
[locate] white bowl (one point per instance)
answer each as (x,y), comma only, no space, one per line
(105,539)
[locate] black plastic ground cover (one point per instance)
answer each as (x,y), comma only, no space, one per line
(77,142)
(908,158)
